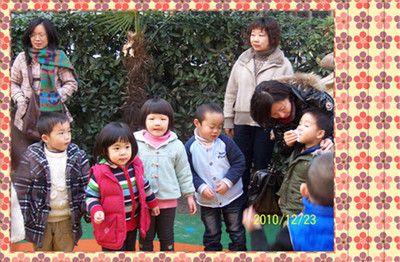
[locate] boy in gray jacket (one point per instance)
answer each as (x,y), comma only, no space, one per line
(217,166)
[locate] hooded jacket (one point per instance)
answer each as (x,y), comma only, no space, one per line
(243,81)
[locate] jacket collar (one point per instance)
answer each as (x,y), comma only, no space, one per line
(276,58)
(140,137)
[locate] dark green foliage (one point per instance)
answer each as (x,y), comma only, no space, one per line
(193,53)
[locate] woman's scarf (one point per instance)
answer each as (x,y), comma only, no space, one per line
(49,59)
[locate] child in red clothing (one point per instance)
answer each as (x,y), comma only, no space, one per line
(118,195)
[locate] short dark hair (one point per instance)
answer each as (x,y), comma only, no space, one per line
(320,183)
(157,106)
(47,121)
(270,26)
(265,94)
(323,119)
(52,35)
(110,134)
(204,108)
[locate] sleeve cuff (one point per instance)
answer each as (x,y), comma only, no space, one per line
(152,204)
(227,182)
(202,188)
(228,123)
(95,209)
(188,194)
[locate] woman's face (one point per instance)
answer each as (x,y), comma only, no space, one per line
(259,40)
(281,109)
(39,38)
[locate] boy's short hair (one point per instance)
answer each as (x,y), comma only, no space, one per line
(204,108)
(47,121)
(324,120)
(320,183)
(157,106)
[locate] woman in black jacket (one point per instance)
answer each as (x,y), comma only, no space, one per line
(279,104)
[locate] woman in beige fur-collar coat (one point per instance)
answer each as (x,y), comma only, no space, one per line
(263,61)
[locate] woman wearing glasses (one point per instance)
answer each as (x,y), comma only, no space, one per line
(43,69)
(279,104)
(262,61)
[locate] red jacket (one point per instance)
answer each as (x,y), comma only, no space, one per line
(111,233)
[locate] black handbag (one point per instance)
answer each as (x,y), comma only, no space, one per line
(30,119)
(263,186)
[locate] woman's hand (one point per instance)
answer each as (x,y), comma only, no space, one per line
(191,205)
(290,138)
(155,211)
(249,221)
(98,217)
(229,132)
(326,145)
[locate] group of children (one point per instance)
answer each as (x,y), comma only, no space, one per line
(138,178)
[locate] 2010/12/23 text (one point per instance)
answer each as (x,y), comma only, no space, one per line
(279,220)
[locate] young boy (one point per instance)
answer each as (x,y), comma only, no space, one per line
(313,230)
(217,166)
(315,125)
(50,183)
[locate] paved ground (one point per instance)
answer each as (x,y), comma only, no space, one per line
(188,230)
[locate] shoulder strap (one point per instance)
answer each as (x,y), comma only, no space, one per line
(30,75)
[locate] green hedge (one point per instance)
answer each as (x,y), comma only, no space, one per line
(193,53)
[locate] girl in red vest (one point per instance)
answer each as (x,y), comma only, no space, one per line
(118,196)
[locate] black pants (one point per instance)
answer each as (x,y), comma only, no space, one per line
(256,146)
(129,243)
(163,225)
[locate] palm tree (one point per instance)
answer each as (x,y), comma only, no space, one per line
(137,61)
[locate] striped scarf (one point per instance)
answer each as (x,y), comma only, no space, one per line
(49,98)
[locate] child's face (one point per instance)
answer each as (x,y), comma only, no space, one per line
(210,128)
(309,133)
(59,138)
(120,152)
(157,124)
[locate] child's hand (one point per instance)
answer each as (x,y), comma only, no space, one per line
(99,217)
(290,137)
(155,211)
(222,187)
(191,205)
(208,194)
(249,221)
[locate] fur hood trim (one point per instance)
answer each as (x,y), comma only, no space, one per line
(303,81)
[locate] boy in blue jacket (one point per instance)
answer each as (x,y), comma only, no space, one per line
(217,166)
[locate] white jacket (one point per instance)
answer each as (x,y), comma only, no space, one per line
(243,81)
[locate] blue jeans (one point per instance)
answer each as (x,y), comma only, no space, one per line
(256,146)
(232,215)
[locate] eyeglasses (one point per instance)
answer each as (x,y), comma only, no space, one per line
(41,36)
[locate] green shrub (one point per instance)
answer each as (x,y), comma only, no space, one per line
(193,53)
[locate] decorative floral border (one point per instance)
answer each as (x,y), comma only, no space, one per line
(367,204)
